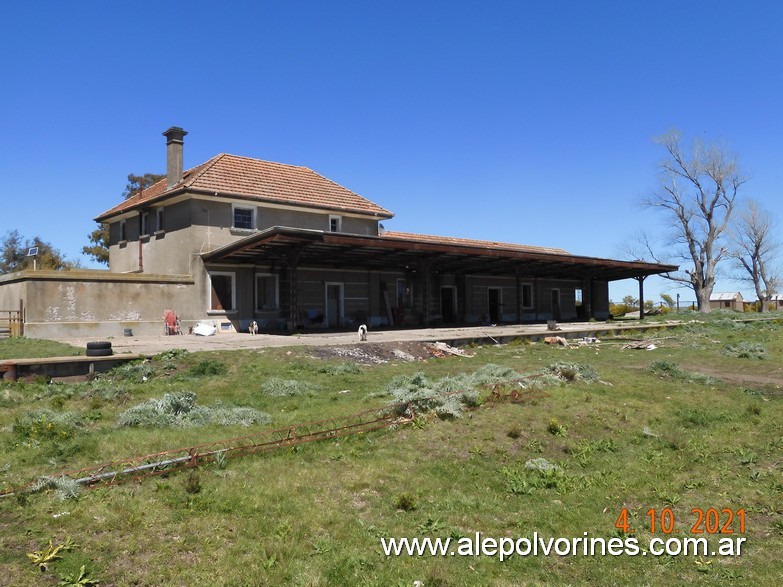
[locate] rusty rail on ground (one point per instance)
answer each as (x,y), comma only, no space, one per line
(174,460)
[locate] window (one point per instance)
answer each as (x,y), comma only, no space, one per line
(123,231)
(404,294)
(335,223)
(159,219)
(144,228)
(527,295)
(578,297)
(266,292)
(222,292)
(244,218)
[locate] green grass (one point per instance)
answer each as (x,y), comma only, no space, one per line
(31,348)
(621,429)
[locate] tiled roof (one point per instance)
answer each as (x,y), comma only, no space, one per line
(262,181)
(448,240)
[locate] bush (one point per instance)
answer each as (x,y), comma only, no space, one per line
(424,396)
(746,350)
(180,409)
(279,387)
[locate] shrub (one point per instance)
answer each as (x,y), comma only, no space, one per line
(279,387)
(423,396)
(65,487)
(180,409)
(572,372)
(746,350)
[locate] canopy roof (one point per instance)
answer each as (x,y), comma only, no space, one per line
(403,251)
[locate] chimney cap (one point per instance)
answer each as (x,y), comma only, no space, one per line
(175,134)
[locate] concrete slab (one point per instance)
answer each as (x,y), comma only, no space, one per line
(151,345)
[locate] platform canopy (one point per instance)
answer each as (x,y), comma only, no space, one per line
(406,252)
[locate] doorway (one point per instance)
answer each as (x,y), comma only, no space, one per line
(555,304)
(334,304)
(448,304)
(495,304)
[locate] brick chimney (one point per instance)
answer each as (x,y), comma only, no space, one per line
(174,141)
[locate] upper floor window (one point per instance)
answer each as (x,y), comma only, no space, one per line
(335,223)
(243,217)
(144,228)
(123,231)
(159,219)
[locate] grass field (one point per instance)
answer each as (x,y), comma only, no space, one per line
(695,424)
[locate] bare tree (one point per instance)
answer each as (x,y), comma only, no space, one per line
(755,251)
(697,195)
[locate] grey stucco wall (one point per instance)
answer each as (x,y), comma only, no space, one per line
(61,304)
(196,225)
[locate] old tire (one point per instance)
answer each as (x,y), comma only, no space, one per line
(99,352)
(98,345)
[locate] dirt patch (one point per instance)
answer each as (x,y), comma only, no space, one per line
(372,353)
(738,378)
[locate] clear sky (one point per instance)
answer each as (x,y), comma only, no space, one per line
(526,122)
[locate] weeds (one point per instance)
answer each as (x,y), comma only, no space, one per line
(746,350)
(208,368)
(664,368)
(180,409)
(279,387)
(46,425)
(65,487)
(49,553)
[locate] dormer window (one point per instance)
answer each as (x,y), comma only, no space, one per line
(244,218)
(335,223)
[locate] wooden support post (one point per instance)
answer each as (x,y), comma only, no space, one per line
(641,297)
(292,260)
(519,295)
(425,266)
(587,297)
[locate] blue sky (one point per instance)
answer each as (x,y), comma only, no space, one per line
(528,122)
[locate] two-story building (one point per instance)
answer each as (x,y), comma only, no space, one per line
(236,240)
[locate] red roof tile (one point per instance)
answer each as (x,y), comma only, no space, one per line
(261,181)
(448,240)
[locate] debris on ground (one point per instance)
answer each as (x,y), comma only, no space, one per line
(202,329)
(643,345)
(369,353)
(442,347)
(556,340)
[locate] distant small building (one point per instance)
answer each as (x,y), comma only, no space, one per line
(727,301)
(776,302)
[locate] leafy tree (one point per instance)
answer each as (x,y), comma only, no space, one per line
(668,300)
(14,249)
(696,194)
(99,249)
